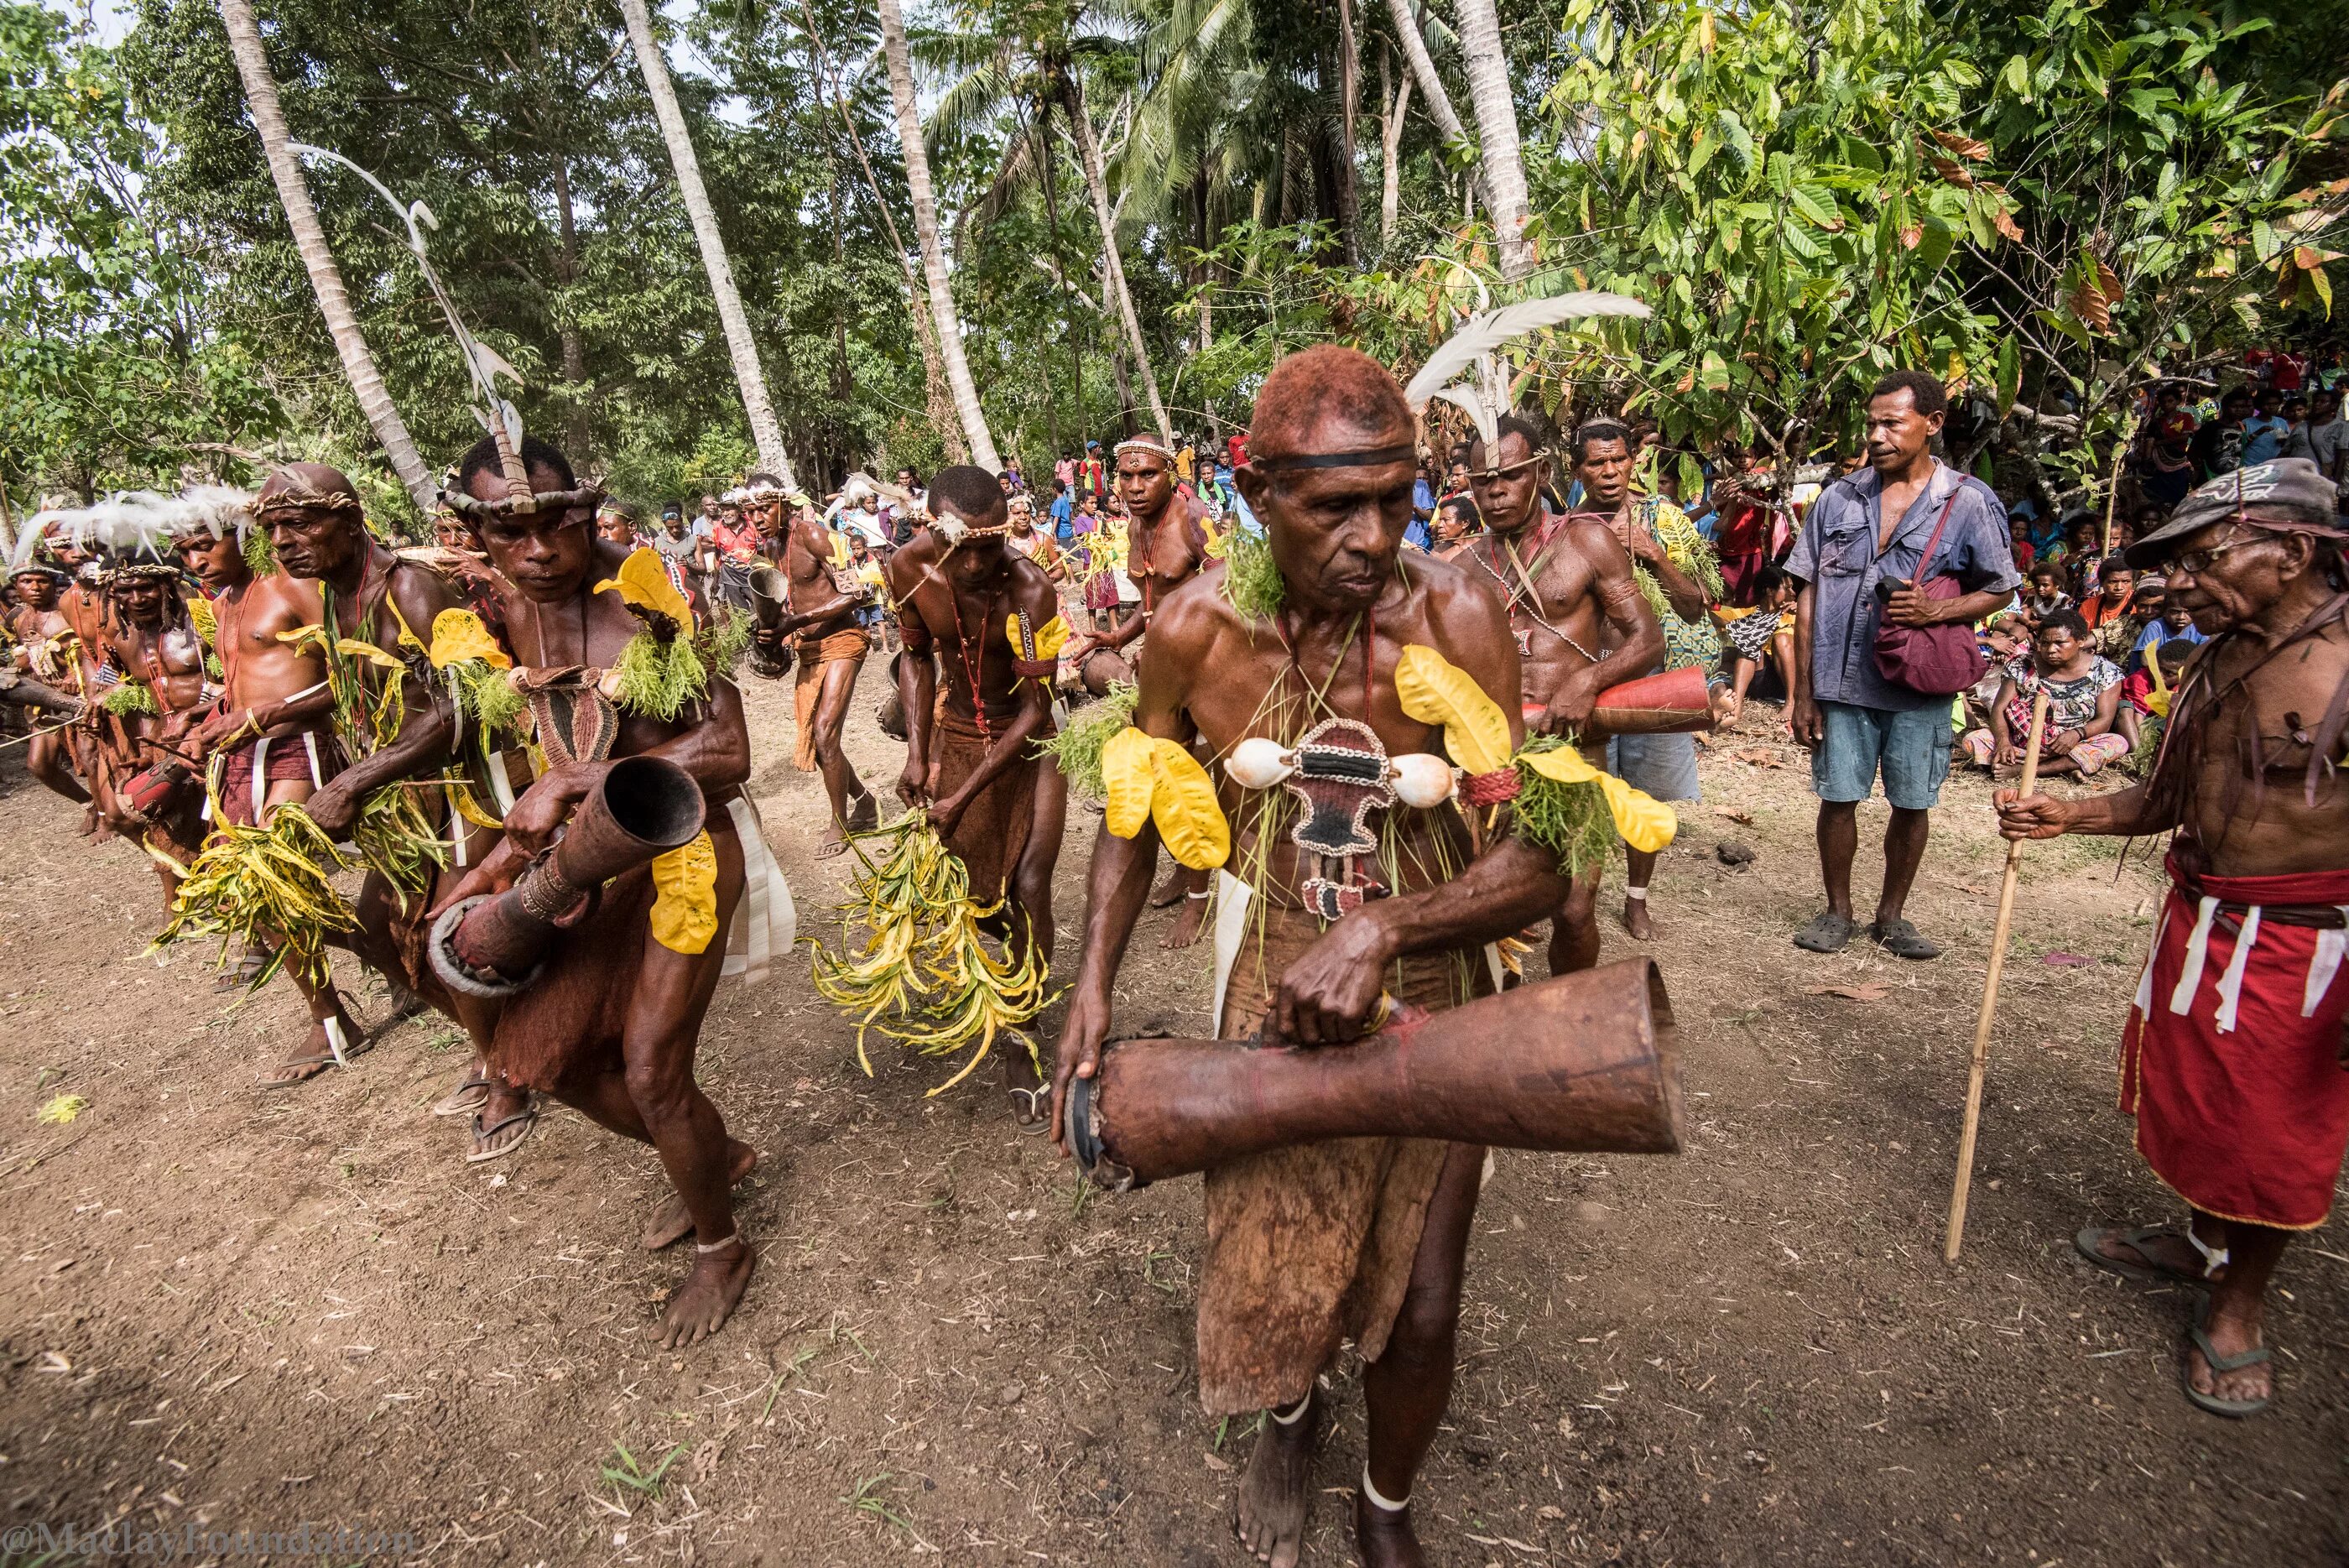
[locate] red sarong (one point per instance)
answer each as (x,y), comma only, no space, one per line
(2231,1061)
(246,772)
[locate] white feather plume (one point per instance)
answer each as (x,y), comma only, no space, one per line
(1475,348)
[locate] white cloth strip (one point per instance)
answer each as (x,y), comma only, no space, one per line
(318,773)
(2145,981)
(2325,964)
(2197,953)
(259,777)
(768,921)
(1493,962)
(2230,984)
(1289,1418)
(1231,924)
(335,1043)
(501,784)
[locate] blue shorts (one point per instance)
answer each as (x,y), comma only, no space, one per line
(1663,766)
(1912,745)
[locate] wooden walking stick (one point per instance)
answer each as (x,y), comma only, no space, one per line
(1957,1231)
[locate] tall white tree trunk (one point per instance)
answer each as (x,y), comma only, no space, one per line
(1422,71)
(926,231)
(1487,65)
(1391,113)
(765,433)
(1097,185)
(325,278)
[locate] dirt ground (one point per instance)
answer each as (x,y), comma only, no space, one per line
(255,1311)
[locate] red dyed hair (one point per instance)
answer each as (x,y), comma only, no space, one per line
(1325,381)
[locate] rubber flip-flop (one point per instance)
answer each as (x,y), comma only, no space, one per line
(2085,1244)
(1035,1118)
(527,1116)
(1902,939)
(2234,1409)
(466,1098)
(1828,933)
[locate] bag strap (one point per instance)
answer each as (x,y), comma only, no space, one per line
(1934,538)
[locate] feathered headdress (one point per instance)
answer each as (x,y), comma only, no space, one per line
(1483,393)
(136,522)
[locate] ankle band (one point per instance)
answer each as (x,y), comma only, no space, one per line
(1639,894)
(1371,1495)
(1291,1418)
(717,1246)
(2214,1258)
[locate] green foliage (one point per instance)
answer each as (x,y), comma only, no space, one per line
(1252,580)
(721,644)
(489,699)
(260,555)
(657,677)
(1569,820)
(1076,751)
(130,698)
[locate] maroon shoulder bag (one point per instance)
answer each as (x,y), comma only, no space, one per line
(1933,661)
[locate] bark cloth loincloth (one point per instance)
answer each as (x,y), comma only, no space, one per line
(994,831)
(1311,1245)
(807,682)
(2232,1060)
(240,776)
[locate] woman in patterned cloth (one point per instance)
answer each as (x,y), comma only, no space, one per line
(2084,693)
(1677,572)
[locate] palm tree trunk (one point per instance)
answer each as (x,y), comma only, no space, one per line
(1423,70)
(925,229)
(765,433)
(1072,103)
(1487,64)
(1350,206)
(937,398)
(1392,102)
(310,239)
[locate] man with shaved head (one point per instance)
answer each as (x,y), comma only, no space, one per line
(1361,1238)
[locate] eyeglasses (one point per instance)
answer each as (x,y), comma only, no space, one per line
(2194,563)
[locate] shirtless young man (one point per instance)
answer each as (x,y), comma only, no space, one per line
(149,641)
(1579,621)
(611,1024)
(1167,544)
(2232,1057)
(83,604)
(39,627)
(266,740)
(970,760)
(317,525)
(830,646)
(1358,1237)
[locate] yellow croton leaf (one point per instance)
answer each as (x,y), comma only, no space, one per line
(1128,782)
(1183,803)
(203,618)
(1646,823)
(644,583)
(1435,691)
(1563,763)
(349,647)
(685,899)
(1051,638)
(458,634)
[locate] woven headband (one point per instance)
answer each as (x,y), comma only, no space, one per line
(298,496)
(1143,443)
(1374,457)
(544,501)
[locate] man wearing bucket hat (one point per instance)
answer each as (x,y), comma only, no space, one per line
(2232,1056)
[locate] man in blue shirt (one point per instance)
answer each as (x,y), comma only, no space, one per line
(1062,510)
(1858,559)
(1422,511)
(2265,432)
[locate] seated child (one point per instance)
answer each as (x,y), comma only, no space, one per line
(2145,701)
(2046,596)
(2171,624)
(1760,642)
(2083,696)
(2003,637)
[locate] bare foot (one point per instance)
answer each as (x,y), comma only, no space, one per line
(1188,922)
(1171,888)
(1269,1514)
(865,812)
(1384,1539)
(669,1223)
(1636,920)
(707,1297)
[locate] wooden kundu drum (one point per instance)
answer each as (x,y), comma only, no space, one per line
(1668,702)
(1588,1063)
(490,945)
(769,593)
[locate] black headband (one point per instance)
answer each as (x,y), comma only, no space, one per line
(1374,457)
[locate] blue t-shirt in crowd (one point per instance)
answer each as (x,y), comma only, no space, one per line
(2263,438)
(1061,510)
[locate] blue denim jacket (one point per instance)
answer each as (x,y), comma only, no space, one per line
(1835,553)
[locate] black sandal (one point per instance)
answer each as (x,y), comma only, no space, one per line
(1828,933)
(1902,939)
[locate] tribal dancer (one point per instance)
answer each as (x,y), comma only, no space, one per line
(1166,544)
(268,741)
(83,605)
(822,598)
(962,597)
(2231,1060)
(1576,609)
(45,651)
(1304,635)
(610,1019)
(152,647)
